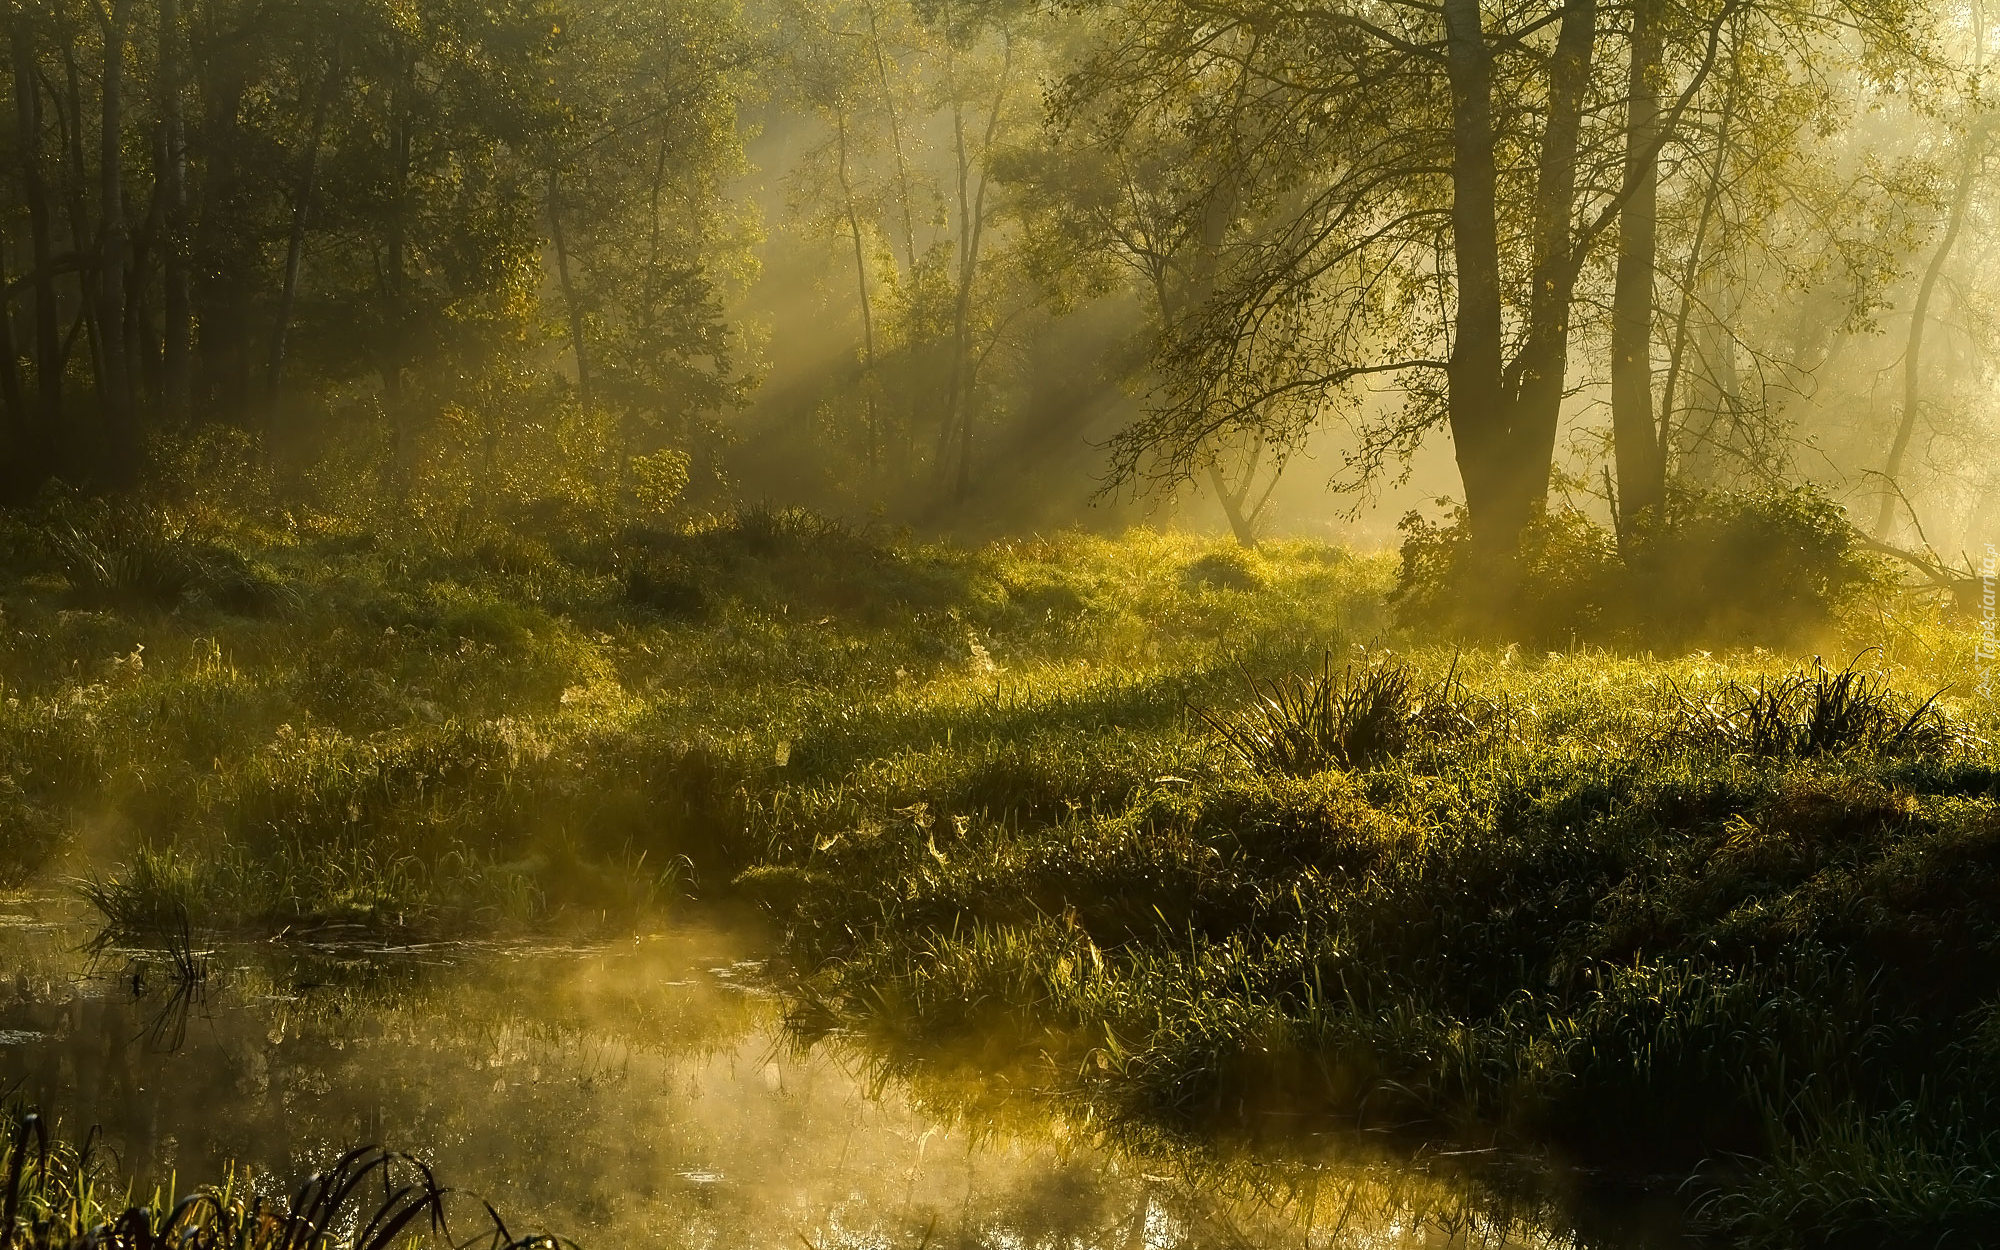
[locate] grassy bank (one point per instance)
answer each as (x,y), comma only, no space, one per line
(1726,916)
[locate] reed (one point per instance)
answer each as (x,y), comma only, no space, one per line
(368,1198)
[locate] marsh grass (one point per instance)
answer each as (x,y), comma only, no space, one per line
(505,737)
(1607,905)
(1552,924)
(367,1199)
(1908,1176)
(154,897)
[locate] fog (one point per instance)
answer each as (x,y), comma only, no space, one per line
(1141,623)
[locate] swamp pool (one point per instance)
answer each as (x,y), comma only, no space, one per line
(645,1093)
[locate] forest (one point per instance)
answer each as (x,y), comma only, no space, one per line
(1107,625)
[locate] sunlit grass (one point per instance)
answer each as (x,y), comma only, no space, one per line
(429,736)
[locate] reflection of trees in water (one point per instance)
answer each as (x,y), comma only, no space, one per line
(621,1096)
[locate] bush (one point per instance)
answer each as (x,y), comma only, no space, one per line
(1569,579)
(1227,569)
(666,586)
(1770,567)
(30,834)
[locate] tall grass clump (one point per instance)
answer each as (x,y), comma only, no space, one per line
(1802,715)
(1302,724)
(133,556)
(1359,717)
(57,1197)
(158,893)
(1907,1177)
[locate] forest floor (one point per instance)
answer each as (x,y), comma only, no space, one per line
(1732,920)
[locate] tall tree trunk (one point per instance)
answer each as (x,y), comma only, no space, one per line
(1243,519)
(1473,373)
(961,301)
(1636,442)
(142,357)
(1536,377)
(75,171)
(38,455)
(861,288)
(224,265)
(177,316)
(971,230)
(1218,213)
(394,279)
(1670,438)
(1713,418)
(571,304)
(295,244)
(1906,427)
(650,290)
(13,403)
(895,140)
(122,449)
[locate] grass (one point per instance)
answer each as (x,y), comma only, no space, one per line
(56,1197)
(501,733)
(1195,836)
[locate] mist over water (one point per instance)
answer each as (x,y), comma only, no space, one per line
(635,1093)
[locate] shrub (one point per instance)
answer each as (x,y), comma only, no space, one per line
(30,834)
(665,585)
(1569,584)
(1226,569)
(1768,567)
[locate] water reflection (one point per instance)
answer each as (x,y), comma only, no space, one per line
(633,1094)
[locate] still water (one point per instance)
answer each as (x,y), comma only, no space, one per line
(641,1093)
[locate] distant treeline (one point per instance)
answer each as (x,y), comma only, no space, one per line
(232,212)
(476,252)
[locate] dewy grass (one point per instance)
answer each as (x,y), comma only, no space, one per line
(1565,912)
